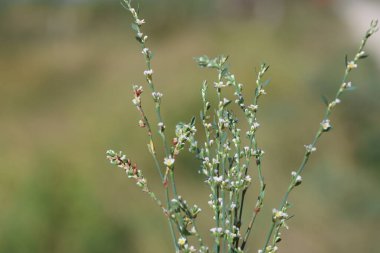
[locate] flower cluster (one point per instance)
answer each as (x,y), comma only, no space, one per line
(132,171)
(310,148)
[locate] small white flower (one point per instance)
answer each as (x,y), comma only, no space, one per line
(145,51)
(253,107)
(347,85)
(298,180)
(192,249)
(255,125)
(279,215)
(216,230)
(218,179)
(156,96)
(215,161)
(181,241)
(310,148)
(161,125)
(352,65)
(226,147)
(334,103)
(262,92)
(326,125)
(148,72)
(136,101)
(258,152)
(208,125)
(219,85)
(169,161)
(140,21)
(193,230)
(142,123)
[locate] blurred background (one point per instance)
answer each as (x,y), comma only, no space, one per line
(66,70)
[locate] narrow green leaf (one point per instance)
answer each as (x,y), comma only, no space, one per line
(325,100)
(266,83)
(352,88)
(192,122)
(223,137)
(346,60)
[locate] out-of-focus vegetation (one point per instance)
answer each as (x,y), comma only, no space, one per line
(65,97)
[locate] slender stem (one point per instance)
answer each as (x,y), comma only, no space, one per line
(253,143)
(149,130)
(349,66)
(158,114)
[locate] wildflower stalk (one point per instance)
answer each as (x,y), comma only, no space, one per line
(220,167)
(141,38)
(324,127)
(258,154)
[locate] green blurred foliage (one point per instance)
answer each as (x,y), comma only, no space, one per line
(65,97)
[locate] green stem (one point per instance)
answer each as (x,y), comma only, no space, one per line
(158,114)
(320,131)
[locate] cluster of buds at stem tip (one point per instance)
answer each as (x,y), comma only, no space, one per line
(131,169)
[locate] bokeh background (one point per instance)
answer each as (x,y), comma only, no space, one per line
(66,69)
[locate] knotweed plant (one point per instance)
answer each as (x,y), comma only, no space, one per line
(229,155)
